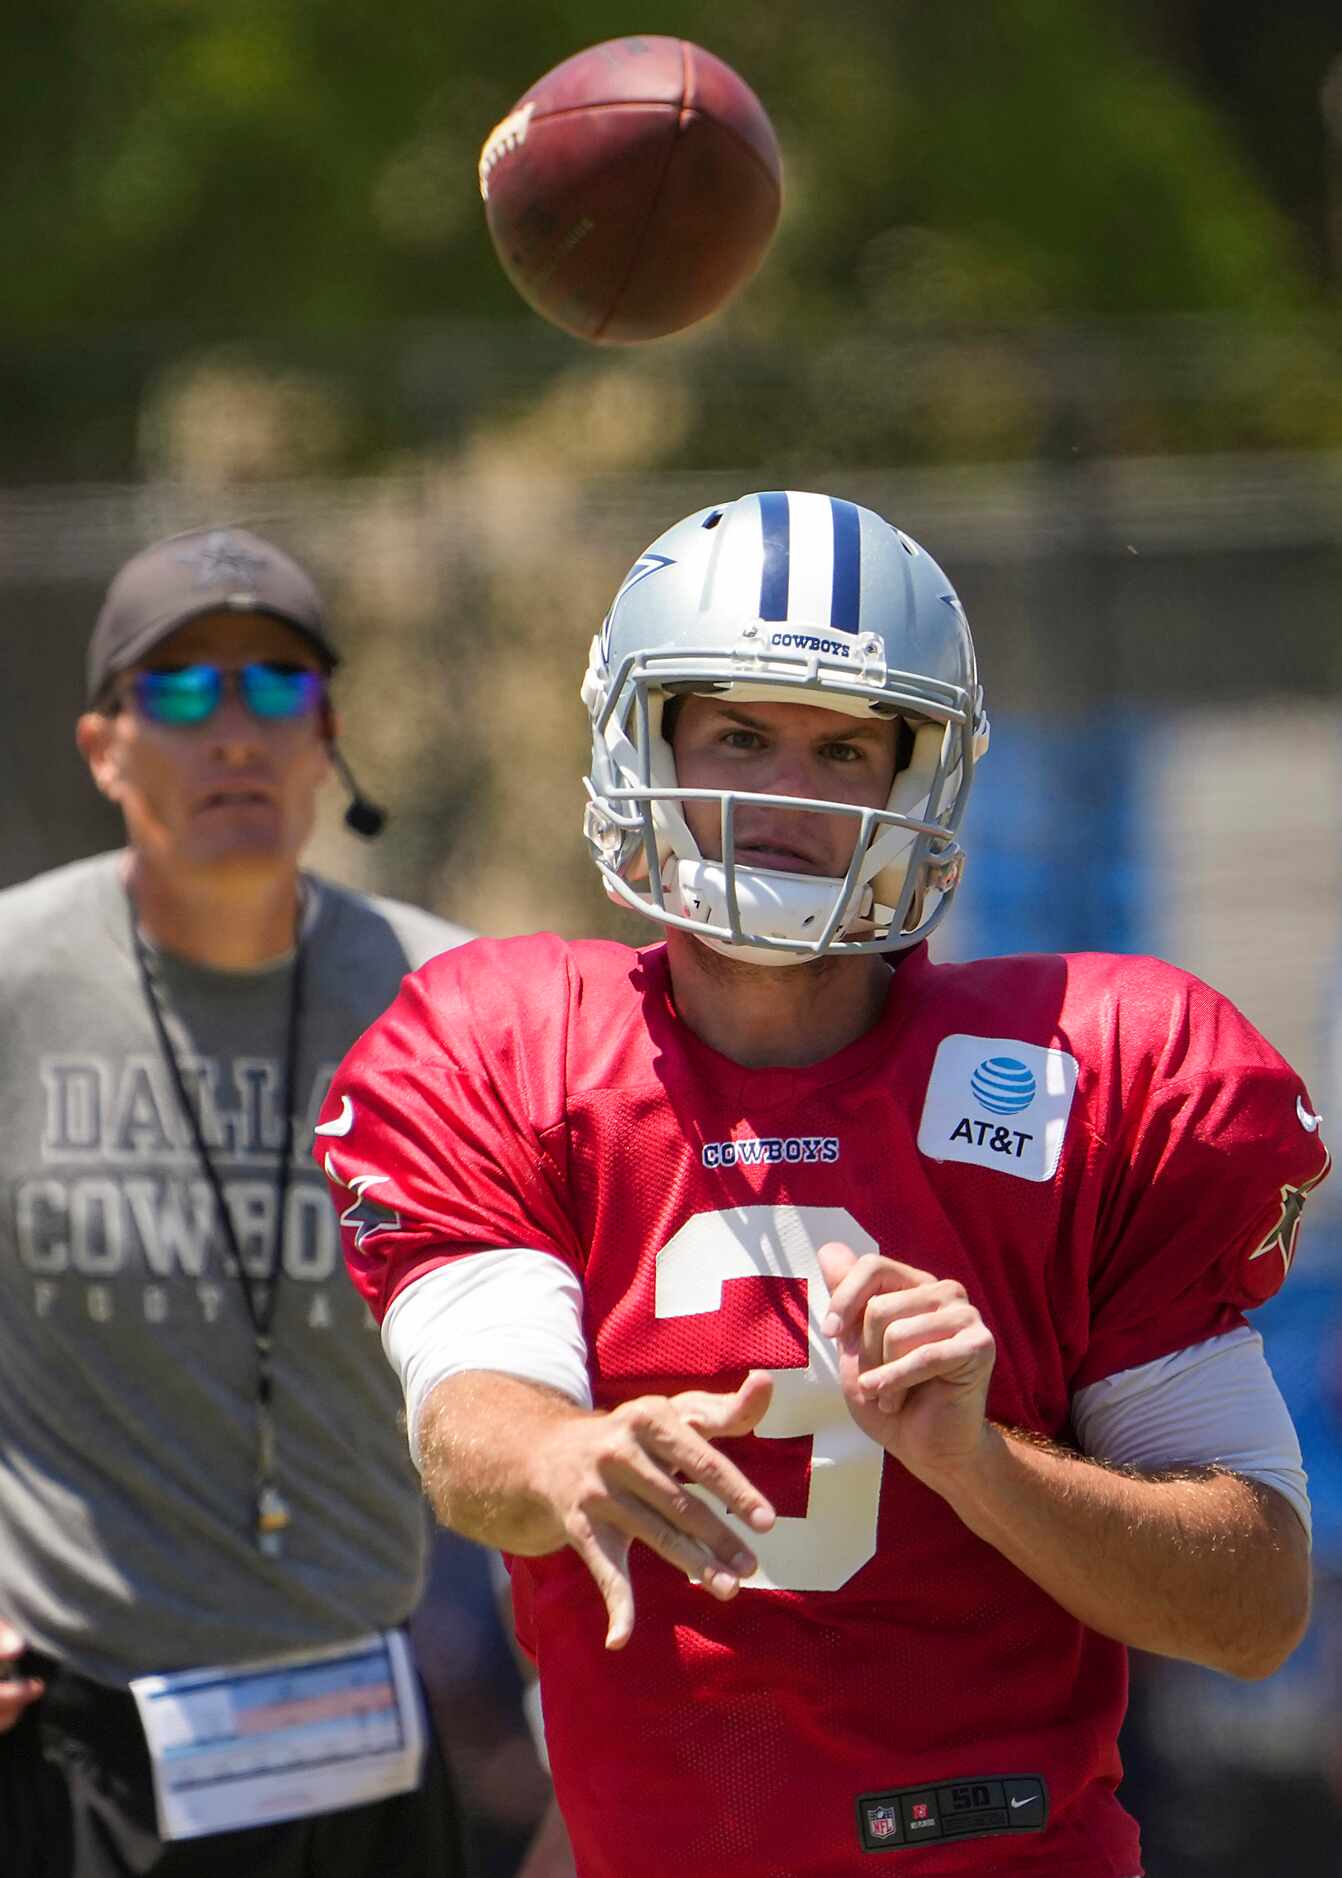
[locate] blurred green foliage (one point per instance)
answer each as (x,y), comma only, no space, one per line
(965,186)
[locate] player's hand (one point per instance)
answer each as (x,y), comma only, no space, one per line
(632,1473)
(915,1358)
(16,1692)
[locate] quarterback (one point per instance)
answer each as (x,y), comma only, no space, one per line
(848,1350)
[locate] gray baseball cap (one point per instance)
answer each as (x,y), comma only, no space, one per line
(207,570)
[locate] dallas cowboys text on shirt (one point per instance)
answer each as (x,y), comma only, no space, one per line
(121,1219)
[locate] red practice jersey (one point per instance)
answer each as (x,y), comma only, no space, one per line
(1102,1150)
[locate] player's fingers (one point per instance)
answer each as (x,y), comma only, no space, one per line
(605,1552)
(633,1517)
(961,1358)
(836,1260)
(933,1294)
(854,1281)
(662,1494)
(685,1453)
(887,1335)
(698,1562)
(647,1453)
(715,1415)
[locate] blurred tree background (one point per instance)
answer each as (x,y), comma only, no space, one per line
(297,176)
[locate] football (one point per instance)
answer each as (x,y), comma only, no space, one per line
(632,189)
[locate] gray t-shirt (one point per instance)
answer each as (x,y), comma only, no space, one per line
(127,1357)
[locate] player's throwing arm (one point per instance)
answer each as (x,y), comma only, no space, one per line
(565,1476)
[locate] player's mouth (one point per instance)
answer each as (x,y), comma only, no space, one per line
(782,857)
(237,798)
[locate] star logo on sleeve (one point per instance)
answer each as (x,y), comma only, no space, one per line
(368,1217)
(1283,1236)
(365,1218)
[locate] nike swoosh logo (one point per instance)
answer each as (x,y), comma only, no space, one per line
(1310,1123)
(1029,1800)
(342,1123)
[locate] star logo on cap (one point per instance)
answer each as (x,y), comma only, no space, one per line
(223,561)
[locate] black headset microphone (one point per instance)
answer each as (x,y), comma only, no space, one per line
(363,815)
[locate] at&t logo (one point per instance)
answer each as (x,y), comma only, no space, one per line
(1002,1085)
(998,1102)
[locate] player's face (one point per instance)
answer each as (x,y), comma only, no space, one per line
(782,749)
(235,792)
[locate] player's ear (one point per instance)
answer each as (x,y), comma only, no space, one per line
(96,743)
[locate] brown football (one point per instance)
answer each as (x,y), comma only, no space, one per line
(632,189)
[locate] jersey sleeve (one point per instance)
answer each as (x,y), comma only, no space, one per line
(435,1139)
(1216,1155)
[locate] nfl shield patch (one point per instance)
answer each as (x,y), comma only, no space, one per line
(883,1821)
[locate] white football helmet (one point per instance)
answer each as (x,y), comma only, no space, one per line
(783,597)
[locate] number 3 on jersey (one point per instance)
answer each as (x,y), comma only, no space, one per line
(838,1534)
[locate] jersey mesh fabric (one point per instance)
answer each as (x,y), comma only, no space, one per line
(528,1092)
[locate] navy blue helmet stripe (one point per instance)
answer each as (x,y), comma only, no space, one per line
(774,573)
(846,600)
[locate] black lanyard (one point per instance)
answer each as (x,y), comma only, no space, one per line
(272,1511)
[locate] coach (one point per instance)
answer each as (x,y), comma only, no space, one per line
(209,1534)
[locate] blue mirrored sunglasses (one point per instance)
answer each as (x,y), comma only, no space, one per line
(191,694)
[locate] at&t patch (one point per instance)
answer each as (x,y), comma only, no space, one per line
(1000,1103)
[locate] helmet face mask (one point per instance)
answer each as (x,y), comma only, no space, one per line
(784,598)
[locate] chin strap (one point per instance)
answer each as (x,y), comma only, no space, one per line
(770,904)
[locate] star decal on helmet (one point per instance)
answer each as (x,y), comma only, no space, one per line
(1283,1236)
(645,565)
(221,560)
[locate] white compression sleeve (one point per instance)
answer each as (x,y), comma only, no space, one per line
(513,1310)
(1213,1403)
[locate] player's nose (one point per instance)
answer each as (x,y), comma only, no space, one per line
(795,771)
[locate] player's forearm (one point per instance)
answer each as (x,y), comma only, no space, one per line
(1210,1568)
(479,1435)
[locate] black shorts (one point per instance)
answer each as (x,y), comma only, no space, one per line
(77,1801)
